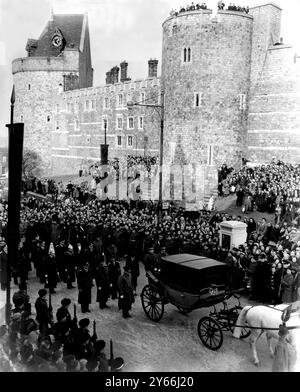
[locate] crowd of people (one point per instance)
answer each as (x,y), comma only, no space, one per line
(203,6)
(272,188)
(191,7)
(72,241)
(43,345)
(233,7)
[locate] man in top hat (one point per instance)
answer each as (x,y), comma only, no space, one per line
(42,312)
(126,293)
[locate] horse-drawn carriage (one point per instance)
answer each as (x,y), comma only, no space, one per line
(191,282)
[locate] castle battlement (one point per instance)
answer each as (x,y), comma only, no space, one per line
(67,62)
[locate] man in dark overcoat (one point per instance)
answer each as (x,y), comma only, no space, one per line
(114,271)
(126,294)
(84,283)
(102,283)
(133,264)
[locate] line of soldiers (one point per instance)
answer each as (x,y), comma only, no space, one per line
(64,345)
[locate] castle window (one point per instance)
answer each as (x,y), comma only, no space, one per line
(119,141)
(242,102)
(120,122)
(210,154)
(120,100)
(174,30)
(143,96)
(88,139)
(29,86)
(57,125)
(93,104)
(106,103)
(130,123)
(48,118)
(76,124)
(197,100)
(87,105)
(141,122)
(187,55)
(129,141)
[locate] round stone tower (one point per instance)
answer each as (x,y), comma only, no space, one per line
(38,82)
(206,79)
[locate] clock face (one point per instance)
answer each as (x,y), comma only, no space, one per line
(57,40)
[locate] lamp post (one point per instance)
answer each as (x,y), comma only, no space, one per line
(161,141)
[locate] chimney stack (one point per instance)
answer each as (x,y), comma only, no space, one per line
(108,78)
(115,75)
(124,66)
(152,68)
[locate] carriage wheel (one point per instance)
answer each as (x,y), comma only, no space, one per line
(210,333)
(245,332)
(152,302)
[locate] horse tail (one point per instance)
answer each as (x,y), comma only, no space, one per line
(241,321)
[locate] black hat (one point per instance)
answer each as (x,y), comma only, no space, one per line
(99,345)
(85,322)
(42,292)
(65,301)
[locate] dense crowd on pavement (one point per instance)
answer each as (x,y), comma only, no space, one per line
(70,240)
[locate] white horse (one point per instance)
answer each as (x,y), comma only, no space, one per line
(263,317)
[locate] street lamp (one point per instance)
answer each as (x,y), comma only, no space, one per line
(130,105)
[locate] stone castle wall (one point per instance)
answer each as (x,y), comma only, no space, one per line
(81,131)
(274,114)
(219,71)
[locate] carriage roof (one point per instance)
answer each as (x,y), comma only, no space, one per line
(192,273)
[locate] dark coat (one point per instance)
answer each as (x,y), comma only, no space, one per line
(42,314)
(50,272)
(102,283)
(125,290)
(69,266)
(84,282)
(114,271)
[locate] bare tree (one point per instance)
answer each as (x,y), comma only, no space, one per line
(32,163)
